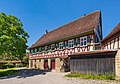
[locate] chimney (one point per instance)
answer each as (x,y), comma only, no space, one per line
(46,31)
(84,14)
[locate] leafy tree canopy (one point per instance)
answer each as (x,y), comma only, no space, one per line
(13,38)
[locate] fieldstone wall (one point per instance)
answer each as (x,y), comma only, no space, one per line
(117,65)
(49,64)
(57,64)
(42,64)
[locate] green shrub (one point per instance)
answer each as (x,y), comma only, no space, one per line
(9,65)
(6,72)
(106,76)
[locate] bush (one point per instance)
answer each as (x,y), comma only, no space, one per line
(6,72)
(9,65)
(106,76)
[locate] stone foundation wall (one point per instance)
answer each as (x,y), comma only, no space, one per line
(117,65)
(57,65)
(39,64)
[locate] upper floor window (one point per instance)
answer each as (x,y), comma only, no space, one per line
(42,48)
(71,43)
(46,48)
(49,47)
(83,41)
(53,46)
(35,49)
(61,45)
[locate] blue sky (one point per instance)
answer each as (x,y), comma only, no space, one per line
(40,15)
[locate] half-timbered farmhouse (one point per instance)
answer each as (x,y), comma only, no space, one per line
(112,40)
(52,49)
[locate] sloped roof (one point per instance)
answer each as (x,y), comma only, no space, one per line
(82,25)
(113,32)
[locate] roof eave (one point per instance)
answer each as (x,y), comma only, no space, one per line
(67,38)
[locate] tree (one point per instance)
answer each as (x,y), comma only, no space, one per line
(13,38)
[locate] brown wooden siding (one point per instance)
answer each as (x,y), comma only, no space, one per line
(93,64)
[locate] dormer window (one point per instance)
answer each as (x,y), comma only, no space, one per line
(61,45)
(71,43)
(83,41)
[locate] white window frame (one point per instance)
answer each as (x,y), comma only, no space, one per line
(71,43)
(83,40)
(61,45)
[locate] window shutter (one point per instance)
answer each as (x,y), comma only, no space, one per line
(66,43)
(75,41)
(30,51)
(37,49)
(57,45)
(88,39)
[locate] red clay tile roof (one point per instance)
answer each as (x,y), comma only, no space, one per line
(93,52)
(113,32)
(82,25)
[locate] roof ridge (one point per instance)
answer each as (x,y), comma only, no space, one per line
(74,20)
(78,26)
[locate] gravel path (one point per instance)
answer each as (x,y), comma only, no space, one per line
(32,76)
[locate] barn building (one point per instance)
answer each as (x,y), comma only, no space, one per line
(105,60)
(51,51)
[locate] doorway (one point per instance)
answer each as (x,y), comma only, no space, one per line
(53,64)
(46,64)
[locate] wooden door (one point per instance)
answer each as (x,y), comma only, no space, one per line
(53,65)
(46,65)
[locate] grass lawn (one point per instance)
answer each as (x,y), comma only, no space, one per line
(9,71)
(92,76)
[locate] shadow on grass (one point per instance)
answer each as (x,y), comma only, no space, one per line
(23,73)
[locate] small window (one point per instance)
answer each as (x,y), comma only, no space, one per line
(42,48)
(53,46)
(83,41)
(61,45)
(71,43)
